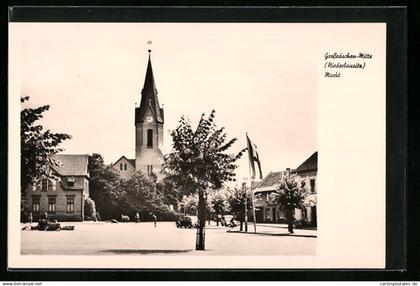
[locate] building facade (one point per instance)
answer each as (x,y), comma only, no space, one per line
(269,212)
(149,122)
(308,171)
(126,167)
(63,199)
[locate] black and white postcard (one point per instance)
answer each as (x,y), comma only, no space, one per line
(197,145)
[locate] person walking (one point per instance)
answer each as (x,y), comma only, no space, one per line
(154,218)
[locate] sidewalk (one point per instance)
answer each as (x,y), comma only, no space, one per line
(275,230)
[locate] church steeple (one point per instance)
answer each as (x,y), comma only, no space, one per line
(149,123)
(149,98)
(149,81)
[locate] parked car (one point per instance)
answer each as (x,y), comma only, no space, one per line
(186,221)
(225,220)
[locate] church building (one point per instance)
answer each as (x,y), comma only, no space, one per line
(148,121)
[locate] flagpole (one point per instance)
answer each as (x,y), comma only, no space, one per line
(251,178)
(253,206)
(246,206)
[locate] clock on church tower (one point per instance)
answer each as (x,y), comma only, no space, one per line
(149,120)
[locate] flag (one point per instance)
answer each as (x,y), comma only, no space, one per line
(253,158)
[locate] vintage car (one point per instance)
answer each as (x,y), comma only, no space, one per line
(186,221)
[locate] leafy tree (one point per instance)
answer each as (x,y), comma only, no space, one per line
(90,209)
(199,161)
(141,195)
(219,205)
(171,195)
(104,187)
(37,146)
(290,194)
(114,196)
(236,200)
(189,204)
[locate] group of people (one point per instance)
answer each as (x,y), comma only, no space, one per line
(137,218)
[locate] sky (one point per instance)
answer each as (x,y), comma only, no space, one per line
(260,78)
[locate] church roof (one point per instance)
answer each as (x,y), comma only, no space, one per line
(131,161)
(72,165)
(149,98)
(310,164)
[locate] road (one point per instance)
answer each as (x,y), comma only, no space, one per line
(101,238)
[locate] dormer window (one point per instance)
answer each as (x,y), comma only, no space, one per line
(70,182)
(44,185)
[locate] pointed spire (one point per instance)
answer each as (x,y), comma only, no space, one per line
(149,96)
(149,81)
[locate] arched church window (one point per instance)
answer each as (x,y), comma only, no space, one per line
(149,138)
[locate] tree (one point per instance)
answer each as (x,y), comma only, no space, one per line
(219,205)
(199,163)
(90,209)
(37,146)
(290,194)
(140,195)
(189,204)
(104,187)
(171,195)
(236,200)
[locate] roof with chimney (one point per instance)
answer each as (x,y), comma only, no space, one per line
(268,183)
(149,98)
(310,164)
(270,180)
(72,164)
